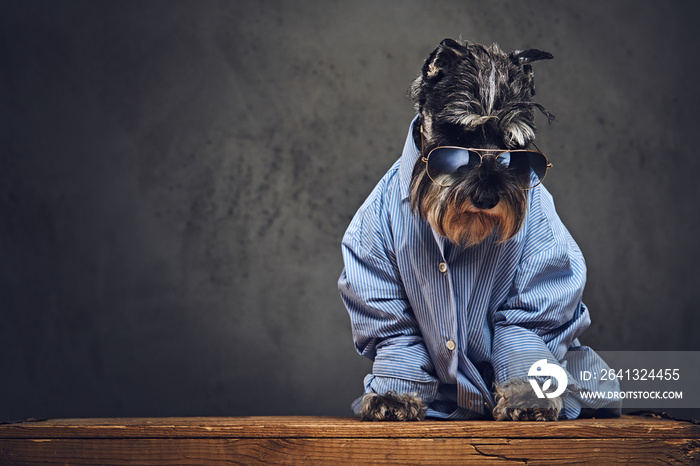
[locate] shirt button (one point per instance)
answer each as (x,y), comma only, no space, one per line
(442,267)
(451,345)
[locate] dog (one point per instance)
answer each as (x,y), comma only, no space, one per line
(474,97)
(476,181)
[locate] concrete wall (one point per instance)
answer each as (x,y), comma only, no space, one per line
(176,176)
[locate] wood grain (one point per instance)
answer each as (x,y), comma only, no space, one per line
(325,440)
(346,451)
(333,427)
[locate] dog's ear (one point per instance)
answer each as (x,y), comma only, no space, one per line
(441,60)
(525,57)
(528,56)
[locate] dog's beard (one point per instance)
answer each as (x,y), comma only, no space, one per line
(470,228)
(465,225)
(467,228)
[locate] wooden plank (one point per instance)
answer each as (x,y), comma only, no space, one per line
(347,451)
(330,427)
(327,440)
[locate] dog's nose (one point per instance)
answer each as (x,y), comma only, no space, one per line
(485,201)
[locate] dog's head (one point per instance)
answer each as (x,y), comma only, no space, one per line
(469,96)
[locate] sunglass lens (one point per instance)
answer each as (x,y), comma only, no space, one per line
(529,164)
(519,163)
(447,160)
(538,163)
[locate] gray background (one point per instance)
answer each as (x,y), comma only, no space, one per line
(175,179)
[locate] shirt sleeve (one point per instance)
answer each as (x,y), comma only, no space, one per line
(384,327)
(543,315)
(542,320)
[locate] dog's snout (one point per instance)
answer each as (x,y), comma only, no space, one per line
(485,200)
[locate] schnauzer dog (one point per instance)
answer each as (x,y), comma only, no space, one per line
(471,182)
(479,98)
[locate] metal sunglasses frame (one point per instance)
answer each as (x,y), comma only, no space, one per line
(496,153)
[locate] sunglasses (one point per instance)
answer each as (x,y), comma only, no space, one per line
(529,165)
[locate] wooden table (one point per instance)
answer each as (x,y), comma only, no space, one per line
(330,440)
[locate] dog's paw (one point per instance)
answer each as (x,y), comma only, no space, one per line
(392,406)
(516,401)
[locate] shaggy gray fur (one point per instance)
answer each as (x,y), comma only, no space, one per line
(392,406)
(516,401)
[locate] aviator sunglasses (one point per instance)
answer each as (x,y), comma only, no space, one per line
(448,160)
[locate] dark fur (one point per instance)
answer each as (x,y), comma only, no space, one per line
(473,96)
(392,406)
(477,97)
(516,401)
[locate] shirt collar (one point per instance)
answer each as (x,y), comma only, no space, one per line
(406,164)
(408,160)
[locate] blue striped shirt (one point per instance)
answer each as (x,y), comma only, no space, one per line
(446,322)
